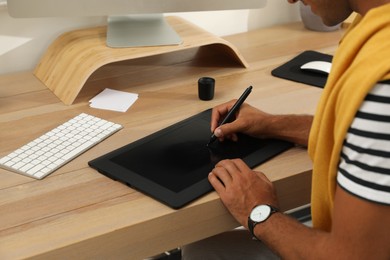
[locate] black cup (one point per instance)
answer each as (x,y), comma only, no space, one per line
(206,86)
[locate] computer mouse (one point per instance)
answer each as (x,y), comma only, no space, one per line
(321,67)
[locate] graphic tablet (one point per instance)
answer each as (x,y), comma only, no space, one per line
(172,164)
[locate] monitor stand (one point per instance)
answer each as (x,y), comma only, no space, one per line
(72,58)
(140,31)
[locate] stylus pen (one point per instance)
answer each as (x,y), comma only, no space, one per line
(232,111)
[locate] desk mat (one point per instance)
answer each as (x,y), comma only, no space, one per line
(172,164)
(291,69)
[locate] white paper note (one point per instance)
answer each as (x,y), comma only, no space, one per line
(115,100)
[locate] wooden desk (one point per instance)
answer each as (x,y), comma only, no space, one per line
(78,213)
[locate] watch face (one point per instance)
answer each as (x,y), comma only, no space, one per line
(260,213)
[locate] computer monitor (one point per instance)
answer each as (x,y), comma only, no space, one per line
(130,22)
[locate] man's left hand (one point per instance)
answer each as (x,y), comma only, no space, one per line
(241,189)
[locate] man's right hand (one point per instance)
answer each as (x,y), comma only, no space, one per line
(259,124)
(248,120)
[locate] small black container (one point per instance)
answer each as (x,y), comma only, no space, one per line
(206,86)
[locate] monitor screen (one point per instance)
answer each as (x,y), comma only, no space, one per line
(131,23)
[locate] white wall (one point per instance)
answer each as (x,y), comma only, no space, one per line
(23,41)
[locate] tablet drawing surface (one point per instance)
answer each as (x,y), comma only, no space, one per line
(172,164)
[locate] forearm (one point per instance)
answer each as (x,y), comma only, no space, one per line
(293,128)
(291,239)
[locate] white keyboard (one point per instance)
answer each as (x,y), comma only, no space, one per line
(57,147)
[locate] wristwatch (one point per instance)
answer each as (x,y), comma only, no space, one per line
(259,214)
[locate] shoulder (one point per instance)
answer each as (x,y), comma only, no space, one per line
(364,168)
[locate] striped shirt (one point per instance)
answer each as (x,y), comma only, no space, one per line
(364,168)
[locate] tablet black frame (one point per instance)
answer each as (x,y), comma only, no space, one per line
(105,165)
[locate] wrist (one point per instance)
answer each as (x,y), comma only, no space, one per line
(292,128)
(273,124)
(259,215)
(266,228)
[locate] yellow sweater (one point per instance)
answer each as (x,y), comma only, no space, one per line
(362,60)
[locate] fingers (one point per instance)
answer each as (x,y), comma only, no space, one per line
(234,166)
(244,121)
(216,183)
(219,112)
(225,172)
(220,133)
(223,175)
(226,131)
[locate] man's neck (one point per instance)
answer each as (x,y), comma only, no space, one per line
(363,6)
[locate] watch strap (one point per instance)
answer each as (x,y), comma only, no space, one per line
(251,227)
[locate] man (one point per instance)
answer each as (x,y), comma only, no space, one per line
(348,141)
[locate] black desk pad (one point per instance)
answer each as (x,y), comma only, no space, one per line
(291,70)
(172,164)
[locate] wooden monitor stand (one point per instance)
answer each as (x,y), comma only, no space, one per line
(74,56)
